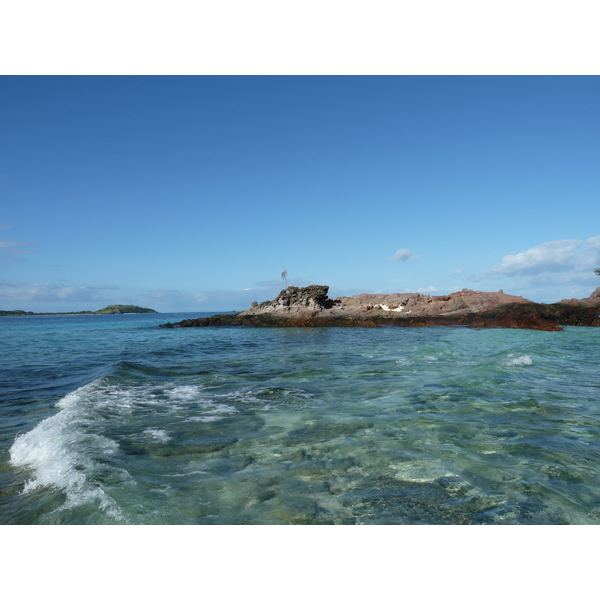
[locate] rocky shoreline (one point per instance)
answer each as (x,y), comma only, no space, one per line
(311,307)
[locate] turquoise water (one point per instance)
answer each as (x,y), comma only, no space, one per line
(109,419)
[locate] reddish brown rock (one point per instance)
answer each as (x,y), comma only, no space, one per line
(310,307)
(592,300)
(405,305)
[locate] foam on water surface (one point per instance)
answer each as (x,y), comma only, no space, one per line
(69,449)
(158,435)
(83,444)
(433,425)
(60,451)
(512,360)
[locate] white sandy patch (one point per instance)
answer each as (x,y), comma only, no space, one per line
(386,307)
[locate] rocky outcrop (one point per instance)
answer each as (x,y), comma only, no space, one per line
(313,297)
(592,300)
(547,317)
(311,307)
(303,301)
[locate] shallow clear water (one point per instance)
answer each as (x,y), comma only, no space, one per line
(109,419)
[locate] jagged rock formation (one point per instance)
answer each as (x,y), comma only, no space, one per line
(311,307)
(313,297)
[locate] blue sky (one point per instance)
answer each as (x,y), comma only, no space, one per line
(193,193)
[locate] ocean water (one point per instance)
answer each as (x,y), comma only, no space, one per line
(110,419)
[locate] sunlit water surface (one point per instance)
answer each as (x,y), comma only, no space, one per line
(109,419)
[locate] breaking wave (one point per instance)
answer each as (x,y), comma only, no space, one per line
(518,361)
(78,448)
(62,449)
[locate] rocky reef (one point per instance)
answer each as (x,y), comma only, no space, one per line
(311,307)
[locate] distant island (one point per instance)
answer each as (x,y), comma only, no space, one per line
(113,309)
(311,307)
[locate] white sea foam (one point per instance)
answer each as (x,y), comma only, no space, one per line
(72,449)
(60,452)
(204,419)
(196,397)
(185,392)
(430,358)
(404,361)
(157,435)
(518,361)
(187,473)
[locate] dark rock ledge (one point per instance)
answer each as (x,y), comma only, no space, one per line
(311,307)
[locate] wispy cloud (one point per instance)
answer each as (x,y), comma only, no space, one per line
(184,301)
(50,293)
(11,248)
(421,290)
(11,244)
(403,255)
(277,284)
(168,298)
(164,300)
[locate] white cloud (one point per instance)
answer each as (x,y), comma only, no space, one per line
(594,244)
(549,272)
(11,244)
(555,257)
(571,257)
(403,255)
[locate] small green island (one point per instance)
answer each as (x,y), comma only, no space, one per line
(113,309)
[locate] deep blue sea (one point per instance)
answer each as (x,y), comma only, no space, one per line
(110,419)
